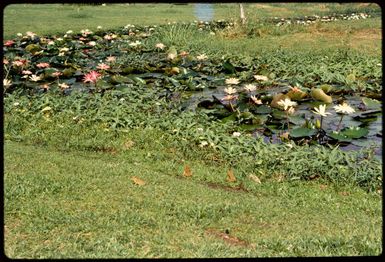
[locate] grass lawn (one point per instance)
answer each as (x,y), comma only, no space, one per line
(85,205)
(87,178)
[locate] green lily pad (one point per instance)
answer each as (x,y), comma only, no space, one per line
(228,67)
(355,132)
(339,136)
(371,103)
(302,132)
(263,109)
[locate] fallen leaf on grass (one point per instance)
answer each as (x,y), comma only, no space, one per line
(255,178)
(232,240)
(128,144)
(138,181)
(344,193)
(323,187)
(187,171)
(230,176)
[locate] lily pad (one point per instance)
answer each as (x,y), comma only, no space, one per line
(355,132)
(263,109)
(339,136)
(371,103)
(302,132)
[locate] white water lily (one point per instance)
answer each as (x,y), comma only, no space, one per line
(202,57)
(261,78)
(230,90)
(256,100)
(34,78)
(291,110)
(250,88)
(344,108)
(321,110)
(286,103)
(7,82)
(135,44)
(232,81)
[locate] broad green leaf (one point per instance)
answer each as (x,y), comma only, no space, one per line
(302,132)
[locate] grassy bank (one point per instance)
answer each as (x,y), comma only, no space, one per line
(98,172)
(74,204)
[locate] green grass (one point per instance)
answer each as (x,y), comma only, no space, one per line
(365,38)
(74,204)
(68,191)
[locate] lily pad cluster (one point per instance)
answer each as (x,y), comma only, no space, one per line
(306,20)
(248,92)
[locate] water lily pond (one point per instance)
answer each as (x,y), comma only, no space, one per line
(247,93)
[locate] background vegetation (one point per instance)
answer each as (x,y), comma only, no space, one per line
(101,177)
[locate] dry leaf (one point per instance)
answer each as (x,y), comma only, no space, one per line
(230,176)
(128,144)
(187,171)
(138,181)
(255,178)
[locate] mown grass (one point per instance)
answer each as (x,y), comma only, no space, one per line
(61,204)
(358,35)
(68,190)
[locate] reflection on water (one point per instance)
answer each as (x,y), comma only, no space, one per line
(204,12)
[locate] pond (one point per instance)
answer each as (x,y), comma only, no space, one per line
(360,129)
(204,12)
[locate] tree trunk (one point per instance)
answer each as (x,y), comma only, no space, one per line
(243,18)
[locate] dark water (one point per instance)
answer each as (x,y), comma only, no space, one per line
(204,12)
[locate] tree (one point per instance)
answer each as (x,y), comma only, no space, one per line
(242,13)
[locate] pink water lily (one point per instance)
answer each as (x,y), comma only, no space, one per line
(92,77)
(43,65)
(103,66)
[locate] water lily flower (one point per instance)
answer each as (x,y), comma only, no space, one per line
(57,74)
(230,90)
(63,86)
(286,103)
(19,62)
(202,57)
(43,65)
(26,72)
(99,27)
(86,32)
(344,108)
(69,32)
(64,49)
(160,46)
(92,43)
(291,110)
(250,88)
(261,78)
(295,89)
(229,97)
(51,42)
(321,110)
(19,34)
(103,66)
(92,77)
(5,61)
(111,59)
(171,56)
(256,100)
(7,82)
(34,78)
(30,34)
(135,44)
(9,43)
(232,81)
